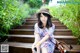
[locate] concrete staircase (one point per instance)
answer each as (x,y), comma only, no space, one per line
(21,37)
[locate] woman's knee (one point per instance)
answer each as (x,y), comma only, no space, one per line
(44,50)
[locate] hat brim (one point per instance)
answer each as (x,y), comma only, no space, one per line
(45,13)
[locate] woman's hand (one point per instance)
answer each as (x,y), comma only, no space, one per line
(37,47)
(33,46)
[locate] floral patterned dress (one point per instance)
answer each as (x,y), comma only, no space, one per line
(49,43)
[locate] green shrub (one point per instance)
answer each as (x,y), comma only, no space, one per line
(34,3)
(12,13)
(68,14)
(32,10)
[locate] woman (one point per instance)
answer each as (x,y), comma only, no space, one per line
(43,31)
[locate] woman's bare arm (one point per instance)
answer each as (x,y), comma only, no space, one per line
(44,39)
(37,38)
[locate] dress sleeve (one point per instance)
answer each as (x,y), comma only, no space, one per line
(36,28)
(51,30)
(51,33)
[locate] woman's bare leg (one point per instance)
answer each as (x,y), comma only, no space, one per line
(38,49)
(44,50)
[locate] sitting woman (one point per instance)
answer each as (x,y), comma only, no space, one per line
(43,32)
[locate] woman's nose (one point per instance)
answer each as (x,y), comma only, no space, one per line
(44,18)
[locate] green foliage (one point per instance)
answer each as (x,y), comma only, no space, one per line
(47,1)
(32,10)
(34,3)
(12,13)
(68,14)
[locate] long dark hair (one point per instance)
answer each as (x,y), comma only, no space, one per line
(49,22)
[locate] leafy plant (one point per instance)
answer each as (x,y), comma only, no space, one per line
(12,13)
(34,3)
(68,14)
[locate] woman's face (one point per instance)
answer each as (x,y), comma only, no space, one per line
(43,18)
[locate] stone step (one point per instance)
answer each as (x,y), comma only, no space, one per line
(35,19)
(32,27)
(54,22)
(31,31)
(16,47)
(32,21)
(30,38)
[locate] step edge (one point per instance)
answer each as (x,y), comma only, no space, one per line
(22,45)
(32,36)
(33,29)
